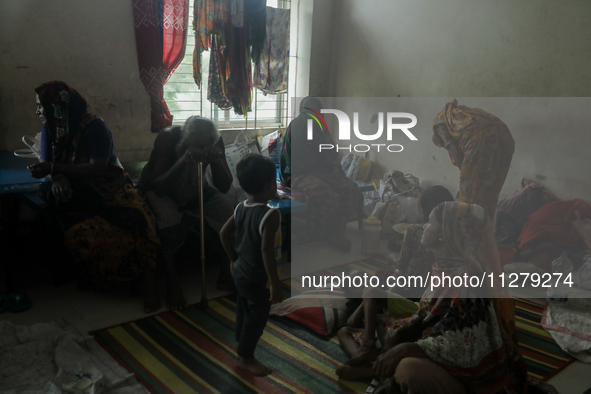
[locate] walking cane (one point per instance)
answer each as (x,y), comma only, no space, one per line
(202,233)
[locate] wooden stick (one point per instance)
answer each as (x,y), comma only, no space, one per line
(202,234)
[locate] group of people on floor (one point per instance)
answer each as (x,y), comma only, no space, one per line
(117,232)
(454,339)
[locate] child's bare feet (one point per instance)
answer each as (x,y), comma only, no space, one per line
(254,366)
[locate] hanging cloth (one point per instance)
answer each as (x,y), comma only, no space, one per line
(256,16)
(239,66)
(237,12)
(271,72)
(208,16)
(160,34)
(215,89)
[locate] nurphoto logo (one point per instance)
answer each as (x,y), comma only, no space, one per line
(345,130)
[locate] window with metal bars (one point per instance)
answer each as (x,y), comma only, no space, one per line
(184,98)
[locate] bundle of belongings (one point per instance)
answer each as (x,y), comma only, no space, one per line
(542,227)
(397,201)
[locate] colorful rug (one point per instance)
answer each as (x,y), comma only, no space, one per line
(193,351)
(544,358)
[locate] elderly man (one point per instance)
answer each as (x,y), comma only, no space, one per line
(170,181)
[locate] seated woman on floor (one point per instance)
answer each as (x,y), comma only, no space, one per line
(413,260)
(170,182)
(457,342)
(331,197)
(108,227)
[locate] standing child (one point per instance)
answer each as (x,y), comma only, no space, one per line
(256,231)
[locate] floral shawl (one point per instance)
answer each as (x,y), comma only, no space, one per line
(463,331)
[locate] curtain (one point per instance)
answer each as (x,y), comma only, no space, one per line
(161,37)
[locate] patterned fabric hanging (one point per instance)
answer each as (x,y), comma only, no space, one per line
(227,21)
(271,72)
(208,16)
(215,88)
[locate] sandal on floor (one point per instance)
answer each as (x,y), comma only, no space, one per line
(19,302)
(3,303)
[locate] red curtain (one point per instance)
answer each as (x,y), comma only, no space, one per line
(161,37)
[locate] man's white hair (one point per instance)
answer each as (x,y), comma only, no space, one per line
(202,126)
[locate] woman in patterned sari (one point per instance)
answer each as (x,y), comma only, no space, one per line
(481,146)
(109,228)
(331,197)
(462,339)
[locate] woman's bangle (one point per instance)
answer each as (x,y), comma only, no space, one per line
(53,178)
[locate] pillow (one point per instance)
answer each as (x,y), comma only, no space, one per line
(322,311)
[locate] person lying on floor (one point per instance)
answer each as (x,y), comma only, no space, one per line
(251,238)
(171,185)
(457,342)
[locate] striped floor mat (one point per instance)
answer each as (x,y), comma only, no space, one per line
(544,358)
(193,351)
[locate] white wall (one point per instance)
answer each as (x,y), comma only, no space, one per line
(321,51)
(88,44)
(542,127)
(463,48)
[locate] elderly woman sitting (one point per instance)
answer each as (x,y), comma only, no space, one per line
(108,227)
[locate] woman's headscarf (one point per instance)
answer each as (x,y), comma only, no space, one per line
(468,232)
(308,157)
(65,114)
(457,120)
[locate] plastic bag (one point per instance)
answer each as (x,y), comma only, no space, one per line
(370,199)
(582,276)
(356,167)
(264,141)
(237,151)
(391,214)
(275,148)
(398,182)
